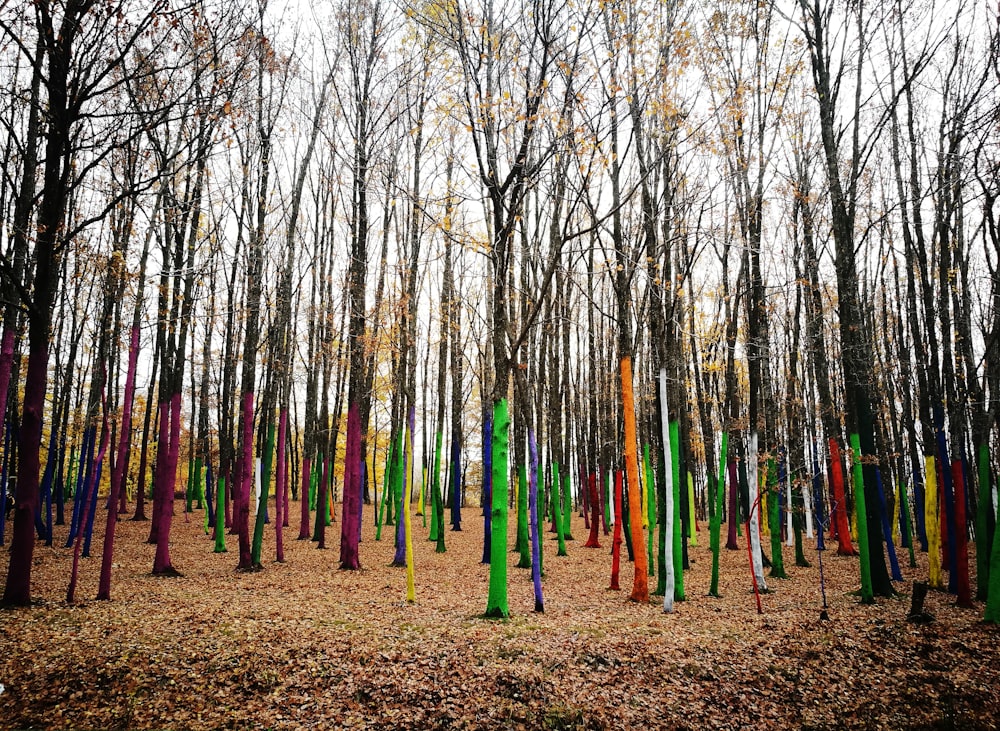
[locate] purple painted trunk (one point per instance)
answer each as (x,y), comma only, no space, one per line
(350,526)
(280,488)
(246,479)
(304,499)
(88,504)
(164,516)
(536,565)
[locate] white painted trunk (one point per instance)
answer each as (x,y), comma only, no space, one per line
(758,563)
(807,496)
(789,530)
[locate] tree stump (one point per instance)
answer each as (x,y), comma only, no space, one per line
(917,613)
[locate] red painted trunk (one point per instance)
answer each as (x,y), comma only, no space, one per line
(961,535)
(350,526)
(161,562)
(279,489)
(616,545)
(844,547)
(595,521)
(17,590)
(304,499)
(246,478)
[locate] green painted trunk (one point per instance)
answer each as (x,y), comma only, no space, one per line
(678,557)
(985,525)
(715,518)
(220,516)
(650,509)
(496,603)
(435,489)
(265,489)
(557,510)
(861,515)
(567,509)
(774,519)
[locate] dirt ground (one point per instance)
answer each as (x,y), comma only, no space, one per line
(305,645)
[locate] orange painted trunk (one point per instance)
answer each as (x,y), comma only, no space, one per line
(640,587)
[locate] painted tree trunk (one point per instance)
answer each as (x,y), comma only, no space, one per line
(557,519)
(839,509)
(89,502)
(456,484)
(649,515)
(523,519)
(992,613)
(860,510)
(675,444)
(734,508)
(640,586)
(962,585)
(265,490)
(985,523)
(242,518)
(350,527)
(164,517)
(435,487)
(281,489)
(887,527)
(220,516)
(536,547)
(753,516)
(323,504)
(773,488)
(668,499)
(933,526)
(715,522)
(616,542)
(496,604)
(487,490)
(304,491)
(120,468)
(396,498)
(593,540)
(411,590)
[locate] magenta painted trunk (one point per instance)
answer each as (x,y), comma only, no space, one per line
(160,468)
(280,487)
(350,526)
(17,590)
(120,468)
(125,431)
(246,478)
(164,516)
(6,366)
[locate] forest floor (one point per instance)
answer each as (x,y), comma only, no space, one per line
(305,645)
